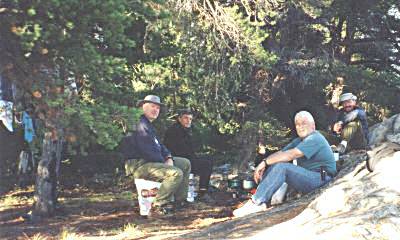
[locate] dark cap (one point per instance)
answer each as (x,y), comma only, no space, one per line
(184,111)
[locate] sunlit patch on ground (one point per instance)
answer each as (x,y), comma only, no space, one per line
(109,214)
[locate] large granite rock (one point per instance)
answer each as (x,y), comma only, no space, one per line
(361,205)
(388,130)
(357,204)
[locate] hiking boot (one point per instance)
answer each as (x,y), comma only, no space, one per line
(212,189)
(248,208)
(161,211)
(206,198)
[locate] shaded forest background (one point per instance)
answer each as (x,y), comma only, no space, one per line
(244,67)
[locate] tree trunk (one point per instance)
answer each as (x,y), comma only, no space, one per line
(46,179)
(247,143)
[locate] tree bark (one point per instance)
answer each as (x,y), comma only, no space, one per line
(46,179)
(247,140)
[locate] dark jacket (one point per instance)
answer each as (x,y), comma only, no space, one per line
(179,140)
(358,114)
(127,147)
(145,143)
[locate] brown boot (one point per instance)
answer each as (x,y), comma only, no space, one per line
(161,211)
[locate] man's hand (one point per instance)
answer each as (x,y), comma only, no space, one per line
(169,161)
(261,149)
(337,127)
(258,173)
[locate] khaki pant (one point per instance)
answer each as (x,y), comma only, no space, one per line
(352,133)
(174,179)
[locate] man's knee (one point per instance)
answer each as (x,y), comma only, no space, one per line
(187,163)
(175,172)
(351,128)
(353,124)
(280,166)
(184,164)
(354,134)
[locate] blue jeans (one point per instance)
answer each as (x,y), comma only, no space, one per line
(299,178)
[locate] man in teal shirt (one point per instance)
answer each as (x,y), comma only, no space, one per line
(316,152)
(316,166)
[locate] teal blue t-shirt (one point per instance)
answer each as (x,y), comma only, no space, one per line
(317,152)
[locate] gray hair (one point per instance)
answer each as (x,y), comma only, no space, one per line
(306,115)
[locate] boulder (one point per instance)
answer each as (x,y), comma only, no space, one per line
(380,153)
(388,130)
(357,204)
(361,205)
(394,138)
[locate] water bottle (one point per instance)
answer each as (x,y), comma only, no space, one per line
(336,155)
(191,190)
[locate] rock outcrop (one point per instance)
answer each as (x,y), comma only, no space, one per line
(388,130)
(361,205)
(357,204)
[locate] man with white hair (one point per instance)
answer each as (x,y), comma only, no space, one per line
(316,166)
(351,125)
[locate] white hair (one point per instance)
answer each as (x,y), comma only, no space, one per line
(306,115)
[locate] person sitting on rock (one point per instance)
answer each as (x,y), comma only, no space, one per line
(351,125)
(315,166)
(151,160)
(179,139)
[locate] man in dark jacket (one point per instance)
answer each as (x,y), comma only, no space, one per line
(151,160)
(351,124)
(179,140)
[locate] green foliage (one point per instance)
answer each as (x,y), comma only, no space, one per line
(88,43)
(319,42)
(203,55)
(208,66)
(274,132)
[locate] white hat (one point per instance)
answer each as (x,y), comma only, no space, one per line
(347,96)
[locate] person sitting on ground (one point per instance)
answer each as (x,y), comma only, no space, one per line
(351,124)
(179,139)
(153,161)
(316,166)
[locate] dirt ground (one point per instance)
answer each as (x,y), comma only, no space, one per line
(105,207)
(109,213)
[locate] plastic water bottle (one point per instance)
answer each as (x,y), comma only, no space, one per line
(336,155)
(191,190)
